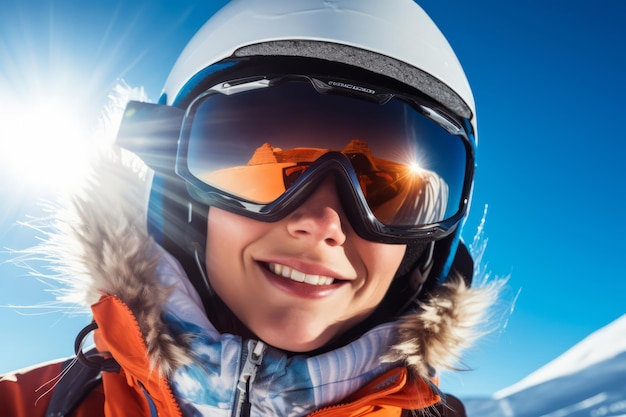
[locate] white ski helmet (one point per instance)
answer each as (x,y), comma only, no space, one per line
(395,38)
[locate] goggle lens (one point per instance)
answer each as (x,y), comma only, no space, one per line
(255,145)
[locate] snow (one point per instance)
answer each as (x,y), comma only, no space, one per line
(589,380)
(601,345)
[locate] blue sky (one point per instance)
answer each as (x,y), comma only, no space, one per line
(548,77)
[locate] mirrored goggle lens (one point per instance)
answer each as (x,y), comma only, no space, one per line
(255,145)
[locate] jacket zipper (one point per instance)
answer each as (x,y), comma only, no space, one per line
(252,356)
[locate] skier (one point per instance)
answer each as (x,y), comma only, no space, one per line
(293,247)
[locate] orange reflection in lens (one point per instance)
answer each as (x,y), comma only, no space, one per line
(397,193)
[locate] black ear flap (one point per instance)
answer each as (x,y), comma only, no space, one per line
(151,131)
(463,263)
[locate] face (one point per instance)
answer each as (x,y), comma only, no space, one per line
(298,283)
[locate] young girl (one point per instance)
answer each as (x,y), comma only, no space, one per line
(311,164)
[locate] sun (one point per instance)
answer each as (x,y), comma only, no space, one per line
(43,142)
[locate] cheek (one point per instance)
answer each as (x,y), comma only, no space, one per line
(228,236)
(219,239)
(380,261)
(218,257)
(228,231)
(380,256)
(224,225)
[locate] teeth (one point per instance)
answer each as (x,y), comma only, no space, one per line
(299,276)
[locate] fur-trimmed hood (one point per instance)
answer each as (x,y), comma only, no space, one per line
(99,245)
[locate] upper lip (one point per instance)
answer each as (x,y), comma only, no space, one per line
(308,268)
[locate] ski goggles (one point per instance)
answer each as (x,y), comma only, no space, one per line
(259,147)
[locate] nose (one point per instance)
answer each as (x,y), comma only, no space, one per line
(319,217)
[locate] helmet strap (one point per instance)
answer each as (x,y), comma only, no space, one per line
(198,256)
(413,272)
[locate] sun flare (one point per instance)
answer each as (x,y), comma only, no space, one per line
(43,142)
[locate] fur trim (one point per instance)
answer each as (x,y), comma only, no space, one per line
(99,245)
(445,324)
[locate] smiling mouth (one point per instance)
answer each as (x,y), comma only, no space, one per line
(298,276)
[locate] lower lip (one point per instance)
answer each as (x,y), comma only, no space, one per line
(301,289)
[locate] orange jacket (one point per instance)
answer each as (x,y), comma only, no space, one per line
(138,391)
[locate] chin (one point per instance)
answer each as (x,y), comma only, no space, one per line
(296,346)
(292,342)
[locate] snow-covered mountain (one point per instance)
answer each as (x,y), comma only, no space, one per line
(589,380)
